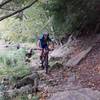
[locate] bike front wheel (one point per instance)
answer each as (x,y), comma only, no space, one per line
(46,64)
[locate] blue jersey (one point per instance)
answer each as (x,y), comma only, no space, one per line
(44,43)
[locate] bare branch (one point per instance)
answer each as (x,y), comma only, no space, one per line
(4,3)
(7,9)
(18,11)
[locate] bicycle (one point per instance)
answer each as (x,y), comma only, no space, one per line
(44,59)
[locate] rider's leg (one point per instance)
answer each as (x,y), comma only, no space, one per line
(41,58)
(46,59)
(41,54)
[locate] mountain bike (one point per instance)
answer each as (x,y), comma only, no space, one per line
(44,59)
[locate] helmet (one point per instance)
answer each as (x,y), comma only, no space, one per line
(45,33)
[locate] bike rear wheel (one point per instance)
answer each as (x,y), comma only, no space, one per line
(46,64)
(45,61)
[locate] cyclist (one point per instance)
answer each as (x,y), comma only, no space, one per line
(43,45)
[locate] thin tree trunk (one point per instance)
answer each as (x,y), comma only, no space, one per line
(4,3)
(97,27)
(18,11)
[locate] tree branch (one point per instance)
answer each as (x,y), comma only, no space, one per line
(18,11)
(7,9)
(4,3)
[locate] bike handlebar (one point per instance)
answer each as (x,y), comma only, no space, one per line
(41,49)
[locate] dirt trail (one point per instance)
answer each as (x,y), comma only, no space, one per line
(85,75)
(61,84)
(72,84)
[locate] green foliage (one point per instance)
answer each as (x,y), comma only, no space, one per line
(57,9)
(13,58)
(55,16)
(13,63)
(24,97)
(14,72)
(71,15)
(35,98)
(34,22)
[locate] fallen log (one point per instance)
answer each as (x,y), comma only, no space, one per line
(27,85)
(76,60)
(30,79)
(10,94)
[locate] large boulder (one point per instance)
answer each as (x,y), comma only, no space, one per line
(77,94)
(76,60)
(64,50)
(61,52)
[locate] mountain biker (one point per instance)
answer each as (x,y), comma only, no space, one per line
(43,44)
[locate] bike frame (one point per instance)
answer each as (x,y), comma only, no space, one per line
(44,58)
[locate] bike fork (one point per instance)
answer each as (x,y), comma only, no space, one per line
(46,65)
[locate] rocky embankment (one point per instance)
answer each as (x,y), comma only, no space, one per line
(74,71)
(80,57)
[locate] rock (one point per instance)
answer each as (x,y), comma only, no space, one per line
(79,94)
(42,86)
(76,60)
(30,96)
(10,94)
(41,72)
(61,51)
(35,64)
(56,65)
(71,78)
(30,79)
(65,38)
(2,87)
(5,81)
(29,53)
(26,89)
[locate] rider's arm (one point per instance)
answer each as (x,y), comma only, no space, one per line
(39,44)
(52,43)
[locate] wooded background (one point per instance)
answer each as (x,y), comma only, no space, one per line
(24,20)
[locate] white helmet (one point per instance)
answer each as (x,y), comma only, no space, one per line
(45,33)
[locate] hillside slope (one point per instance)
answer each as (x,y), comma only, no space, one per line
(74,72)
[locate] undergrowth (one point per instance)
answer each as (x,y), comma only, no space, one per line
(12,63)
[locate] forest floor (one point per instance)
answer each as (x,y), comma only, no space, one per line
(79,82)
(82,81)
